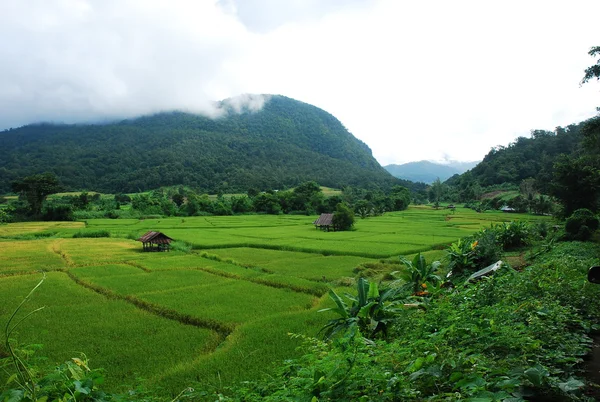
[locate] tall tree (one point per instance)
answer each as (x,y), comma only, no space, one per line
(576,183)
(436,191)
(36,189)
(592,71)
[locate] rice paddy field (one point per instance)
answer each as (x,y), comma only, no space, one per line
(218,312)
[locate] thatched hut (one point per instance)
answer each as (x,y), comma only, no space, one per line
(324,222)
(156,241)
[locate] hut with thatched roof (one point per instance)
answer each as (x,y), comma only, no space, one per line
(324,222)
(156,241)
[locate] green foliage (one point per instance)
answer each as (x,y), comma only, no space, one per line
(91,234)
(582,224)
(488,249)
(371,312)
(436,192)
(576,182)
(474,252)
(461,256)
(516,336)
(5,216)
(182,246)
(343,217)
(400,198)
(512,234)
(35,189)
(53,212)
(592,71)
(417,273)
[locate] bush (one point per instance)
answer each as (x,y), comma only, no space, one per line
(474,253)
(487,248)
(581,224)
(182,246)
(512,235)
(58,213)
(343,217)
(96,233)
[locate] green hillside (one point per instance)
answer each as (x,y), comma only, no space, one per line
(286,143)
(525,158)
(564,164)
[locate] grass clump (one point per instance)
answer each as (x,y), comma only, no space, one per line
(91,233)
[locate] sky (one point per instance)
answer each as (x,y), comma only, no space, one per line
(415,80)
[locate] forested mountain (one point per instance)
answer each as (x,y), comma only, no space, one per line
(426,171)
(525,158)
(564,164)
(286,143)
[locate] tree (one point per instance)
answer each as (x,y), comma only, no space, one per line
(343,217)
(592,71)
(4,216)
(401,197)
(436,192)
(36,189)
(576,183)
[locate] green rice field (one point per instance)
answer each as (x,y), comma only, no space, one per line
(214,315)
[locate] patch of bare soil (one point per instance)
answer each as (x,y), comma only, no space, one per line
(518,262)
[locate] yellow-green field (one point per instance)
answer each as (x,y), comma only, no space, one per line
(218,314)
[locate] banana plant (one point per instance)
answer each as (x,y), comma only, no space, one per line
(417,273)
(371,311)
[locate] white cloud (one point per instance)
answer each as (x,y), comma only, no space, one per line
(414,80)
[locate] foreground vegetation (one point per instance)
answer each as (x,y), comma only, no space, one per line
(519,335)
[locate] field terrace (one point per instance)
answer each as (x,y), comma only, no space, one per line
(212,314)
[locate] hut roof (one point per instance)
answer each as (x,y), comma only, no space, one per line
(324,220)
(155,237)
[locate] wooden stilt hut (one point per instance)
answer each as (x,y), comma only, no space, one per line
(324,222)
(156,241)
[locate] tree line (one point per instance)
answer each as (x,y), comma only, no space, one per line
(308,199)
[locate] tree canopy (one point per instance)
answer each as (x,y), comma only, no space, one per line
(36,188)
(592,71)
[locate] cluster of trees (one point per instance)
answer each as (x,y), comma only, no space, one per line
(307,198)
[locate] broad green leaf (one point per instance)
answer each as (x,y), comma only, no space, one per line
(342,308)
(535,375)
(364,311)
(14,395)
(81,389)
(417,364)
(571,385)
(455,376)
(362,291)
(373,291)
(11,378)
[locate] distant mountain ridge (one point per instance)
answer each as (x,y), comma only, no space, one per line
(283,144)
(427,171)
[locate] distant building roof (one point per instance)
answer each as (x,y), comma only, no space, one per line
(155,238)
(324,220)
